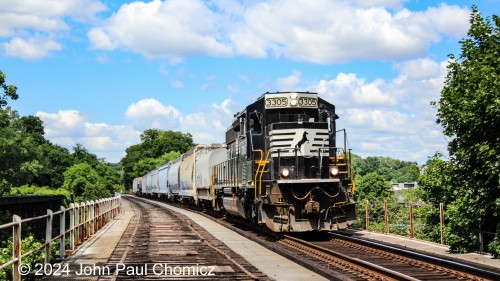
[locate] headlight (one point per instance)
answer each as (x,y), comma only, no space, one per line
(294,100)
(285,173)
(334,171)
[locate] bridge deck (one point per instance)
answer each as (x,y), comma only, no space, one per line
(98,251)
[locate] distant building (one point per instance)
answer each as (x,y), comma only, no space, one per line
(399,187)
(403,185)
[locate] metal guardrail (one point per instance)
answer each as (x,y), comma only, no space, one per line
(85,220)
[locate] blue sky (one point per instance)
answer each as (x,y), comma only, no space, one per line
(99,73)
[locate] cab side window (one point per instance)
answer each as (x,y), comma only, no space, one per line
(255,123)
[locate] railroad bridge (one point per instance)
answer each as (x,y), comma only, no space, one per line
(131,238)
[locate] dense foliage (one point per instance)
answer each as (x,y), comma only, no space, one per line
(373,178)
(389,169)
(27,244)
(157,147)
(33,165)
(9,91)
(469,111)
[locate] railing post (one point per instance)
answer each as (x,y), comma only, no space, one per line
(72,226)
(120,209)
(81,223)
(411,221)
(441,221)
(98,215)
(108,210)
(77,224)
(386,216)
(87,220)
(16,247)
(62,232)
(48,235)
(92,217)
(111,209)
(367,213)
(101,213)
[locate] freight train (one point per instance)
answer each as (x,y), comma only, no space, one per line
(279,166)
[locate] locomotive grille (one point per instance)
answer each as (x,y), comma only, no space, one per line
(306,141)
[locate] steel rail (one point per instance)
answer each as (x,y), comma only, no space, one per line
(428,258)
(357,262)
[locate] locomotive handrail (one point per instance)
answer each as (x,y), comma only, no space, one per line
(260,170)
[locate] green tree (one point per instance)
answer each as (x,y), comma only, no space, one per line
(82,155)
(389,168)
(436,184)
(469,111)
(18,143)
(86,183)
(157,142)
(109,178)
(375,189)
(78,177)
(9,91)
(55,160)
(157,147)
(372,187)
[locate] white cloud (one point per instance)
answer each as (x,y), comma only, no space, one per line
(61,122)
(420,69)
(53,9)
(224,106)
(31,49)
(150,113)
(70,127)
(100,40)
(396,4)
(447,19)
(347,90)
(159,29)
(321,31)
(330,31)
(208,125)
(289,82)
(248,43)
(390,118)
(25,22)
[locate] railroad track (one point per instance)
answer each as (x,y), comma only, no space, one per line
(161,244)
(338,257)
(361,260)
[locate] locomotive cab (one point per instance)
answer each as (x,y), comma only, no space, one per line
(285,169)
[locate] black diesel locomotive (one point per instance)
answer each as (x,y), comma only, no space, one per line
(280,166)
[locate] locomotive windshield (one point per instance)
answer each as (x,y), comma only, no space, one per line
(293,115)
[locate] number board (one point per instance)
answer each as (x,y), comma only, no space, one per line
(308,102)
(276,102)
(291,101)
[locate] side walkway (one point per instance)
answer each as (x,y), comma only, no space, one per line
(97,249)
